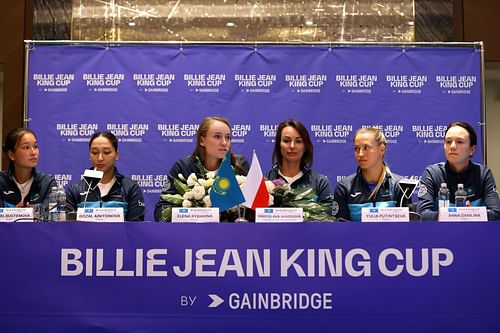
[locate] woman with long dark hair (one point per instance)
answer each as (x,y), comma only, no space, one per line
(22,185)
(293,158)
(114,190)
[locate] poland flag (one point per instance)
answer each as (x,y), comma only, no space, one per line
(255,191)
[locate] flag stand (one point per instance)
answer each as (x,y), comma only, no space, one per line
(241,214)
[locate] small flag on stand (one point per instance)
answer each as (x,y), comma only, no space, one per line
(225,192)
(255,190)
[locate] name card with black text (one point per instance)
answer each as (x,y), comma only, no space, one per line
(280,214)
(195,214)
(100,214)
(466,214)
(385,214)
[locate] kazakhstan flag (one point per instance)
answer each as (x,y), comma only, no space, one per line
(226,192)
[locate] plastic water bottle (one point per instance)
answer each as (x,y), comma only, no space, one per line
(460,196)
(52,208)
(61,204)
(444,196)
(57,204)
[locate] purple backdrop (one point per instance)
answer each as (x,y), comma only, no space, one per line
(153,97)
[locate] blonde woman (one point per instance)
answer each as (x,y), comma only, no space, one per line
(373,184)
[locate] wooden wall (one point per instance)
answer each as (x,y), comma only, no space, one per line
(15,26)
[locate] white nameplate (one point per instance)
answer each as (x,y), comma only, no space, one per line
(195,214)
(16,214)
(459,214)
(100,214)
(279,214)
(385,214)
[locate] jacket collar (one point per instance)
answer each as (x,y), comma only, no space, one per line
(10,173)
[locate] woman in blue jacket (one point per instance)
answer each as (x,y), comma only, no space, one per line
(292,160)
(459,146)
(213,140)
(114,189)
(373,184)
(21,185)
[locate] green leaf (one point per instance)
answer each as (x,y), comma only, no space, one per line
(175,199)
(304,193)
(166,215)
(180,186)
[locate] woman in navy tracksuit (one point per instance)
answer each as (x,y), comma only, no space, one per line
(293,157)
(21,185)
(373,184)
(213,140)
(459,146)
(114,190)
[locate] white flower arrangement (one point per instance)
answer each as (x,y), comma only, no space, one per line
(195,192)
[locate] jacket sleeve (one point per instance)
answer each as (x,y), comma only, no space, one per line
(323,190)
(426,206)
(168,188)
(340,208)
(135,203)
(3,186)
(72,198)
(491,200)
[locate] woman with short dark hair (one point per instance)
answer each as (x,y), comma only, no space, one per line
(459,146)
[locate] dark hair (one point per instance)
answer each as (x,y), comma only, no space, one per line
(467,127)
(13,137)
(307,158)
(12,140)
(199,150)
(108,135)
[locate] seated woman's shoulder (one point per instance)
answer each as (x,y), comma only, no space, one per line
(43,177)
(184,163)
(396,177)
(347,179)
(319,175)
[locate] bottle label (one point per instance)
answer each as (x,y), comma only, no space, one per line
(62,216)
(444,203)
